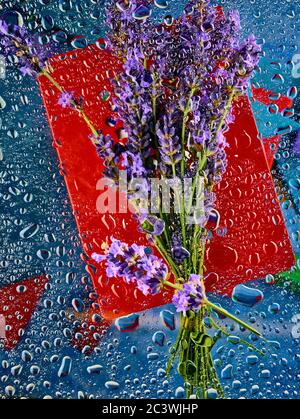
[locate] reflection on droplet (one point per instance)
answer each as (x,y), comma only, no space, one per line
(29,231)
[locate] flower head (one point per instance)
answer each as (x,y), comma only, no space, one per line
(136,264)
(3,27)
(191,296)
(134,164)
(296,146)
(16,40)
(105,147)
(234,17)
(26,70)
(174,96)
(166,131)
(65,99)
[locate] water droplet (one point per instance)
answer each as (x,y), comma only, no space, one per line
(78,305)
(142,12)
(112,385)
(127,323)
(47,22)
(65,367)
(292,92)
(29,231)
(168,319)
(227,372)
(95,369)
(162,4)
(274,308)
(246,296)
(159,338)
(2,103)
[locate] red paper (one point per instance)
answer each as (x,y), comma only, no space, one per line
(256,242)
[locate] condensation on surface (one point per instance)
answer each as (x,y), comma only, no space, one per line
(65,349)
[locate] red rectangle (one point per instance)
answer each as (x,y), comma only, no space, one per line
(256,242)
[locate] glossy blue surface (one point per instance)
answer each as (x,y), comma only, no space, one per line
(32,191)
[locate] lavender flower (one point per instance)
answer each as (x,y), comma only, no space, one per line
(174,95)
(26,70)
(136,264)
(105,147)
(170,149)
(98,258)
(65,99)
(3,27)
(175,104)
(248,58)
(134,164)
(16,40)
(191,296)
(296,146)
(234,17)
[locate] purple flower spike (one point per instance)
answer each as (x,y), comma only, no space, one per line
(136,264)
(296,147)
(147,79)
(26,70)
(98,258)
(3,27)
(168,138)
(234,17)
(133,163)
(154,272)
(16,40)
(65,99)
(105,147)
(191,296)
(159,227)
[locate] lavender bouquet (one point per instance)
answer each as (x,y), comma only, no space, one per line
(174,95)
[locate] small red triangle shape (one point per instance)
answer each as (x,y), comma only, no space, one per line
(17,303)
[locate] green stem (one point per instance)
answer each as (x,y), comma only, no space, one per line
(172,285)
(218,309)
(232,317)
(201,163)
(184,121)
(154,110)
(180,204)
(226,110)
(166,231)
(52,80)
(195,249)
(164,253)
(176,190)
(194,246)
(242,341)
(201,261)
(74,104)
(177,344)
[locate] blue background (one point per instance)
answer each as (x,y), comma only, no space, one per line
(32,191)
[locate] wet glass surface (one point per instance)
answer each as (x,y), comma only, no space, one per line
(65,353)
